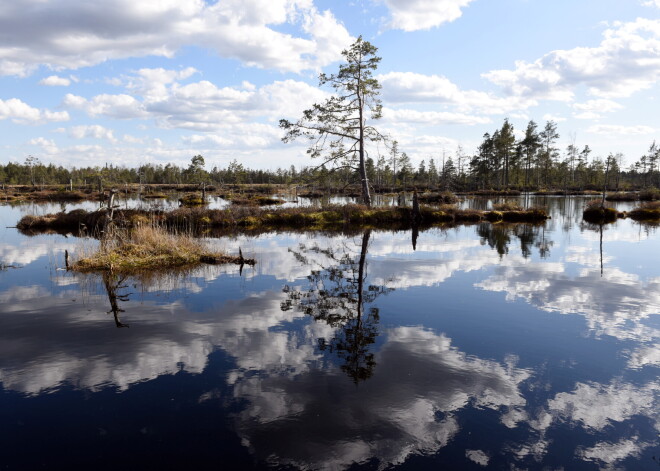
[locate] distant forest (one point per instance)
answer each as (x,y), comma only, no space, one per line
(501,162)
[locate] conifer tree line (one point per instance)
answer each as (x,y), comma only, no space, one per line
(534,161)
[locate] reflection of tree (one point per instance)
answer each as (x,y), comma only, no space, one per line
(498,237)
(337,295)
(113,283)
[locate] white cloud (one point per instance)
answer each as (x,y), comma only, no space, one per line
(626,61)
(410,87)
(414,15)
(115,106)
(22,113)
(73,34)
(91,131)
(651,3)
(47,145)
(430,118)
(55,81)
(610,129)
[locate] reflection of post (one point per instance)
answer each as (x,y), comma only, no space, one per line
(112,284)
(601,250)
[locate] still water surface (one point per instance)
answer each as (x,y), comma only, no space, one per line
(482,346)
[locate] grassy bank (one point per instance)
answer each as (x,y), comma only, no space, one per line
(241,218)
(148,247)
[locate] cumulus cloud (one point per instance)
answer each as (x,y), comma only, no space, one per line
(414,15)
(594,109)
(431,118)
(626,61)
(94,131)
(73,34)
(410,87)
(22,113)
(47,145)
(55,81)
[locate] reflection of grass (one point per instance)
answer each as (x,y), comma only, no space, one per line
(251,217)
(255,200)
(647,211)
(149,247)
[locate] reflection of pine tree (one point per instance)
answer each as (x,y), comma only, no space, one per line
(337,295)
(112,284)
(498,237)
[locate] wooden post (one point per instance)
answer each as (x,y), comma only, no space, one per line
(70,184)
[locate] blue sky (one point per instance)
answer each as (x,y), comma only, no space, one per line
(127,82)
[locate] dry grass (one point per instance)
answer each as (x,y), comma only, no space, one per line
(149,247)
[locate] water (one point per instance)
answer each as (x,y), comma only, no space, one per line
(501,347)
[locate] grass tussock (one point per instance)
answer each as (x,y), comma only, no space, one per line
(567,193)
(149,247)
(650,194)
(192,200)
(596,213)
(646,212)
(445,197)
(622,196)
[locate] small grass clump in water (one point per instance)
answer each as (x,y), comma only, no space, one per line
(647,211)
(595,212)
(149,247)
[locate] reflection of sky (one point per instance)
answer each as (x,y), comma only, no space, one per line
(429,387)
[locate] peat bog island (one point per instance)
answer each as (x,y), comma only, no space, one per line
(295,235)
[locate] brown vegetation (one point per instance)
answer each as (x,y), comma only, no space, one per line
(149,247)
(646,212)
(596,213)
(251,217)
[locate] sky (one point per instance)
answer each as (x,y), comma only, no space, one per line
(127,82)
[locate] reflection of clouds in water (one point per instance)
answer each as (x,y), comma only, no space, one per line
(614,303)
(617,234)
(400,274)
(645,356)
(405,408)
(477,456)
(29,250)
(609,454)
(595,406)
(98,355)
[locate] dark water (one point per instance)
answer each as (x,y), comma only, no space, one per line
(507,347)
